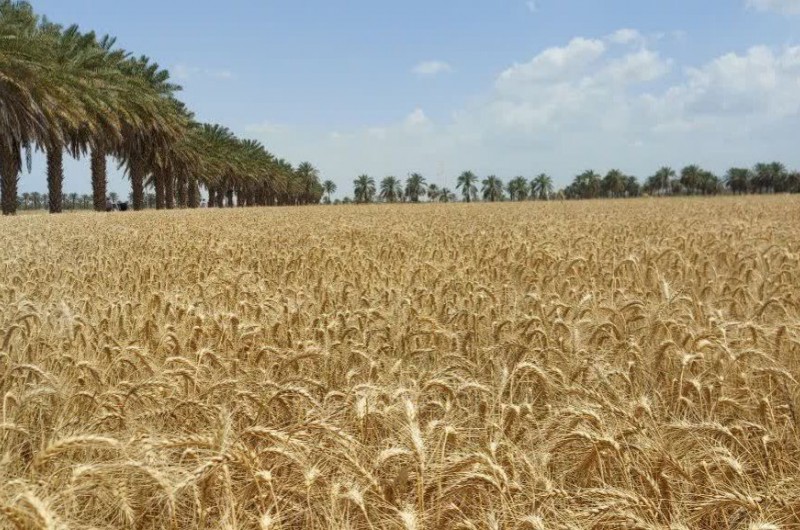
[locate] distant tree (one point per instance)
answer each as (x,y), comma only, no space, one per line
(433,192)
(26,200)
(542,187)
(660,183)
(793,182)
(415,187)
(309,188)
(517,189)
(347,200)
(587,185)
(364,189)
(738,179)
(492,189)
(632,187)
(329,188)
(467,184)
(771,177)
(447,196)
(652,186)
(709,183)
(691,179)
(391,190)
(614,183)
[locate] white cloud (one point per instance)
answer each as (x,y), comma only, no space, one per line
(219,74)
(416,119)
(790,7)
(625,36)
(432,68)
(377,132)
(552,65)
(641,66)
(584,104)
(266,127)
(184,72)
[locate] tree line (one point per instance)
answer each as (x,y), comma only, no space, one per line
(770,177)
(67,91)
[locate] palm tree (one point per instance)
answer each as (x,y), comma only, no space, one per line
(329,187)
(793,182)
(614,183)
(25,114)
(709,183)
(467,184)
(587,185)
(446,195)
(492,189)
(364,189)
(542,187)
(632,186)
(142,147)
(738,179)
(769,177)
(415,187)
(691,178)
(433,192)
(391,189)
(661,180)
(310,186)
(517,189)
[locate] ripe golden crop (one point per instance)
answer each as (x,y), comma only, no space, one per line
(594,364)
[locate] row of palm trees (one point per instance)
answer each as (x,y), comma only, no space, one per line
(70,201)
(770,177)
(392,189)
(62,90)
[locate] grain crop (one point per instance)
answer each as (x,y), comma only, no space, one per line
(563,365)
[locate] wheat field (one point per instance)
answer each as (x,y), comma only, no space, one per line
(566,365)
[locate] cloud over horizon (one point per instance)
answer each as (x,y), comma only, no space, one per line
(789,7)
(431,68)
(591,102)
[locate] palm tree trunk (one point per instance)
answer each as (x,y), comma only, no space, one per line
(169,189)
(55,178)
(10,165)
(193,193)
(229,198)
(99,179)
(212,197)
(158,180)
(137,172)
(182,191)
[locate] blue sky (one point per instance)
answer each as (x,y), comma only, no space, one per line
(502,86)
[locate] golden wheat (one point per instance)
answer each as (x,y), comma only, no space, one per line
(608,364)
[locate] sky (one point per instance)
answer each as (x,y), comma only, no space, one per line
(505,87)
